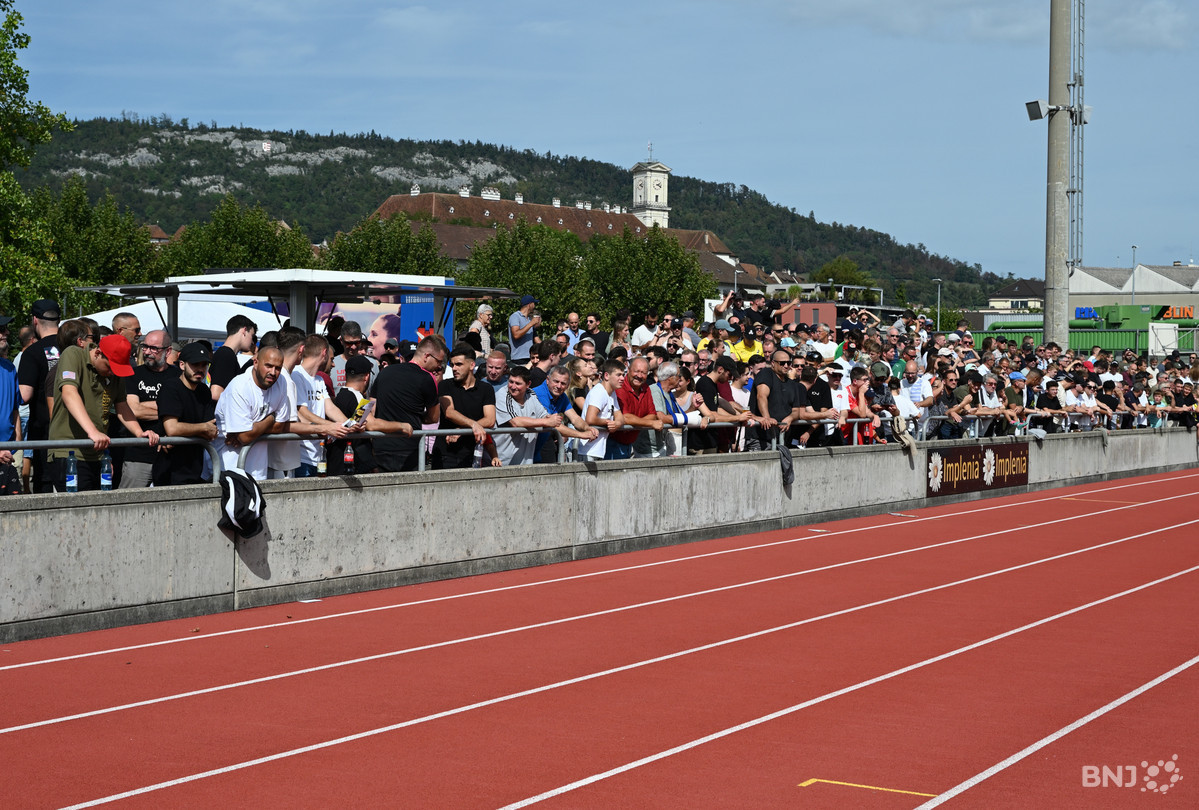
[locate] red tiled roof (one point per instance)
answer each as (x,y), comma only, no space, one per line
(579,221)
(449,207)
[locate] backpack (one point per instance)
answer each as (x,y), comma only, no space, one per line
(242,505)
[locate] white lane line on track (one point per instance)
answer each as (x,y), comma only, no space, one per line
(557,580)
(662,754)
(757,721)
(1057,735)
(608,612)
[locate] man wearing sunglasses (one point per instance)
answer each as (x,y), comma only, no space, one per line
(354,345)
(145,465)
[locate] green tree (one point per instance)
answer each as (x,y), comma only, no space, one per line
(23,124)
(530,260)
(630,271)
(94,244)
(389,246)
(28,270)
(237,236)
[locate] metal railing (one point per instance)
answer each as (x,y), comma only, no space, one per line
(564,450)
(87,444)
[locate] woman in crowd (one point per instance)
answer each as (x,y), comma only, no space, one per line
(620,337)
(582,377)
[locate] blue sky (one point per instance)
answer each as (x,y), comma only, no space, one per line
(906,116)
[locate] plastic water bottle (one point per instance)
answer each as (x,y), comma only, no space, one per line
(322,467)
(72,473)
(478,462)
(106,472)
(348,458)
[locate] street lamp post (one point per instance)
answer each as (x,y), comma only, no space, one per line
(939,327)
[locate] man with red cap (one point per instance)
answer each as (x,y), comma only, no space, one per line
(87,384)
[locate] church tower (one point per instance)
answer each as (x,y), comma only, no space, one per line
(650,193)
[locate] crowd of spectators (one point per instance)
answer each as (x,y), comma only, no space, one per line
(746,380)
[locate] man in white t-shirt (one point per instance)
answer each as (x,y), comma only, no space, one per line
(602,411)
(354,344)
(251,406)
(315,409)
(515,406)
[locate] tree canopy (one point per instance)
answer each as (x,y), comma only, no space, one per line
(23,124)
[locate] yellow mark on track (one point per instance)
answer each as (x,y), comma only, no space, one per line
(864,787)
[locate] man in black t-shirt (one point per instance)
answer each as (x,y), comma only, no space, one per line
(405,398)
(37,361)
(820,400)
(186,408)
(465,403)
(242,336)
(145,465)
(772,401)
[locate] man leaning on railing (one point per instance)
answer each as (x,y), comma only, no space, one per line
(86,381)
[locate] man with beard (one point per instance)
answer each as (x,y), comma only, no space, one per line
(145,465)
(406,398)
(772,401)
(820,398)
(186,409)
(251,406)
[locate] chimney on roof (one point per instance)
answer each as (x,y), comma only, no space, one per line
(415,191)
(579,204)
(490,193)
(607,208)
(587,205)
(557,203)
(464,190)
(520,198)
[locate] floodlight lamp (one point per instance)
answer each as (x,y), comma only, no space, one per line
(1037,109)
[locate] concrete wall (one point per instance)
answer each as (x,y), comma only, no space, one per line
(70,563)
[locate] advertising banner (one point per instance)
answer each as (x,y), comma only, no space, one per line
(974,469)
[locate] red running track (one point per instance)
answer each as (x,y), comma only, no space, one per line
(984,653)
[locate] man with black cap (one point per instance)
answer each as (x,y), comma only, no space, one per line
(820,398)
(37,362)
(521,325)
(352,401)
(86,384)
(186,409)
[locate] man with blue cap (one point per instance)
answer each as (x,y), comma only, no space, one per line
(521,325)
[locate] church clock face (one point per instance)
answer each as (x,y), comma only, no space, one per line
(658,184)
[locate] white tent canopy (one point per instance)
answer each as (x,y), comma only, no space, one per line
(197,319)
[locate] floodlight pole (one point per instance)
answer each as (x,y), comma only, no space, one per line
(1057,208)
(939,327)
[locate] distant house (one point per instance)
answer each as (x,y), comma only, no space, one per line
(1021,295)
(158,237)
(464,220)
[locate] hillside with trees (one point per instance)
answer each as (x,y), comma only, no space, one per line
(176,173)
